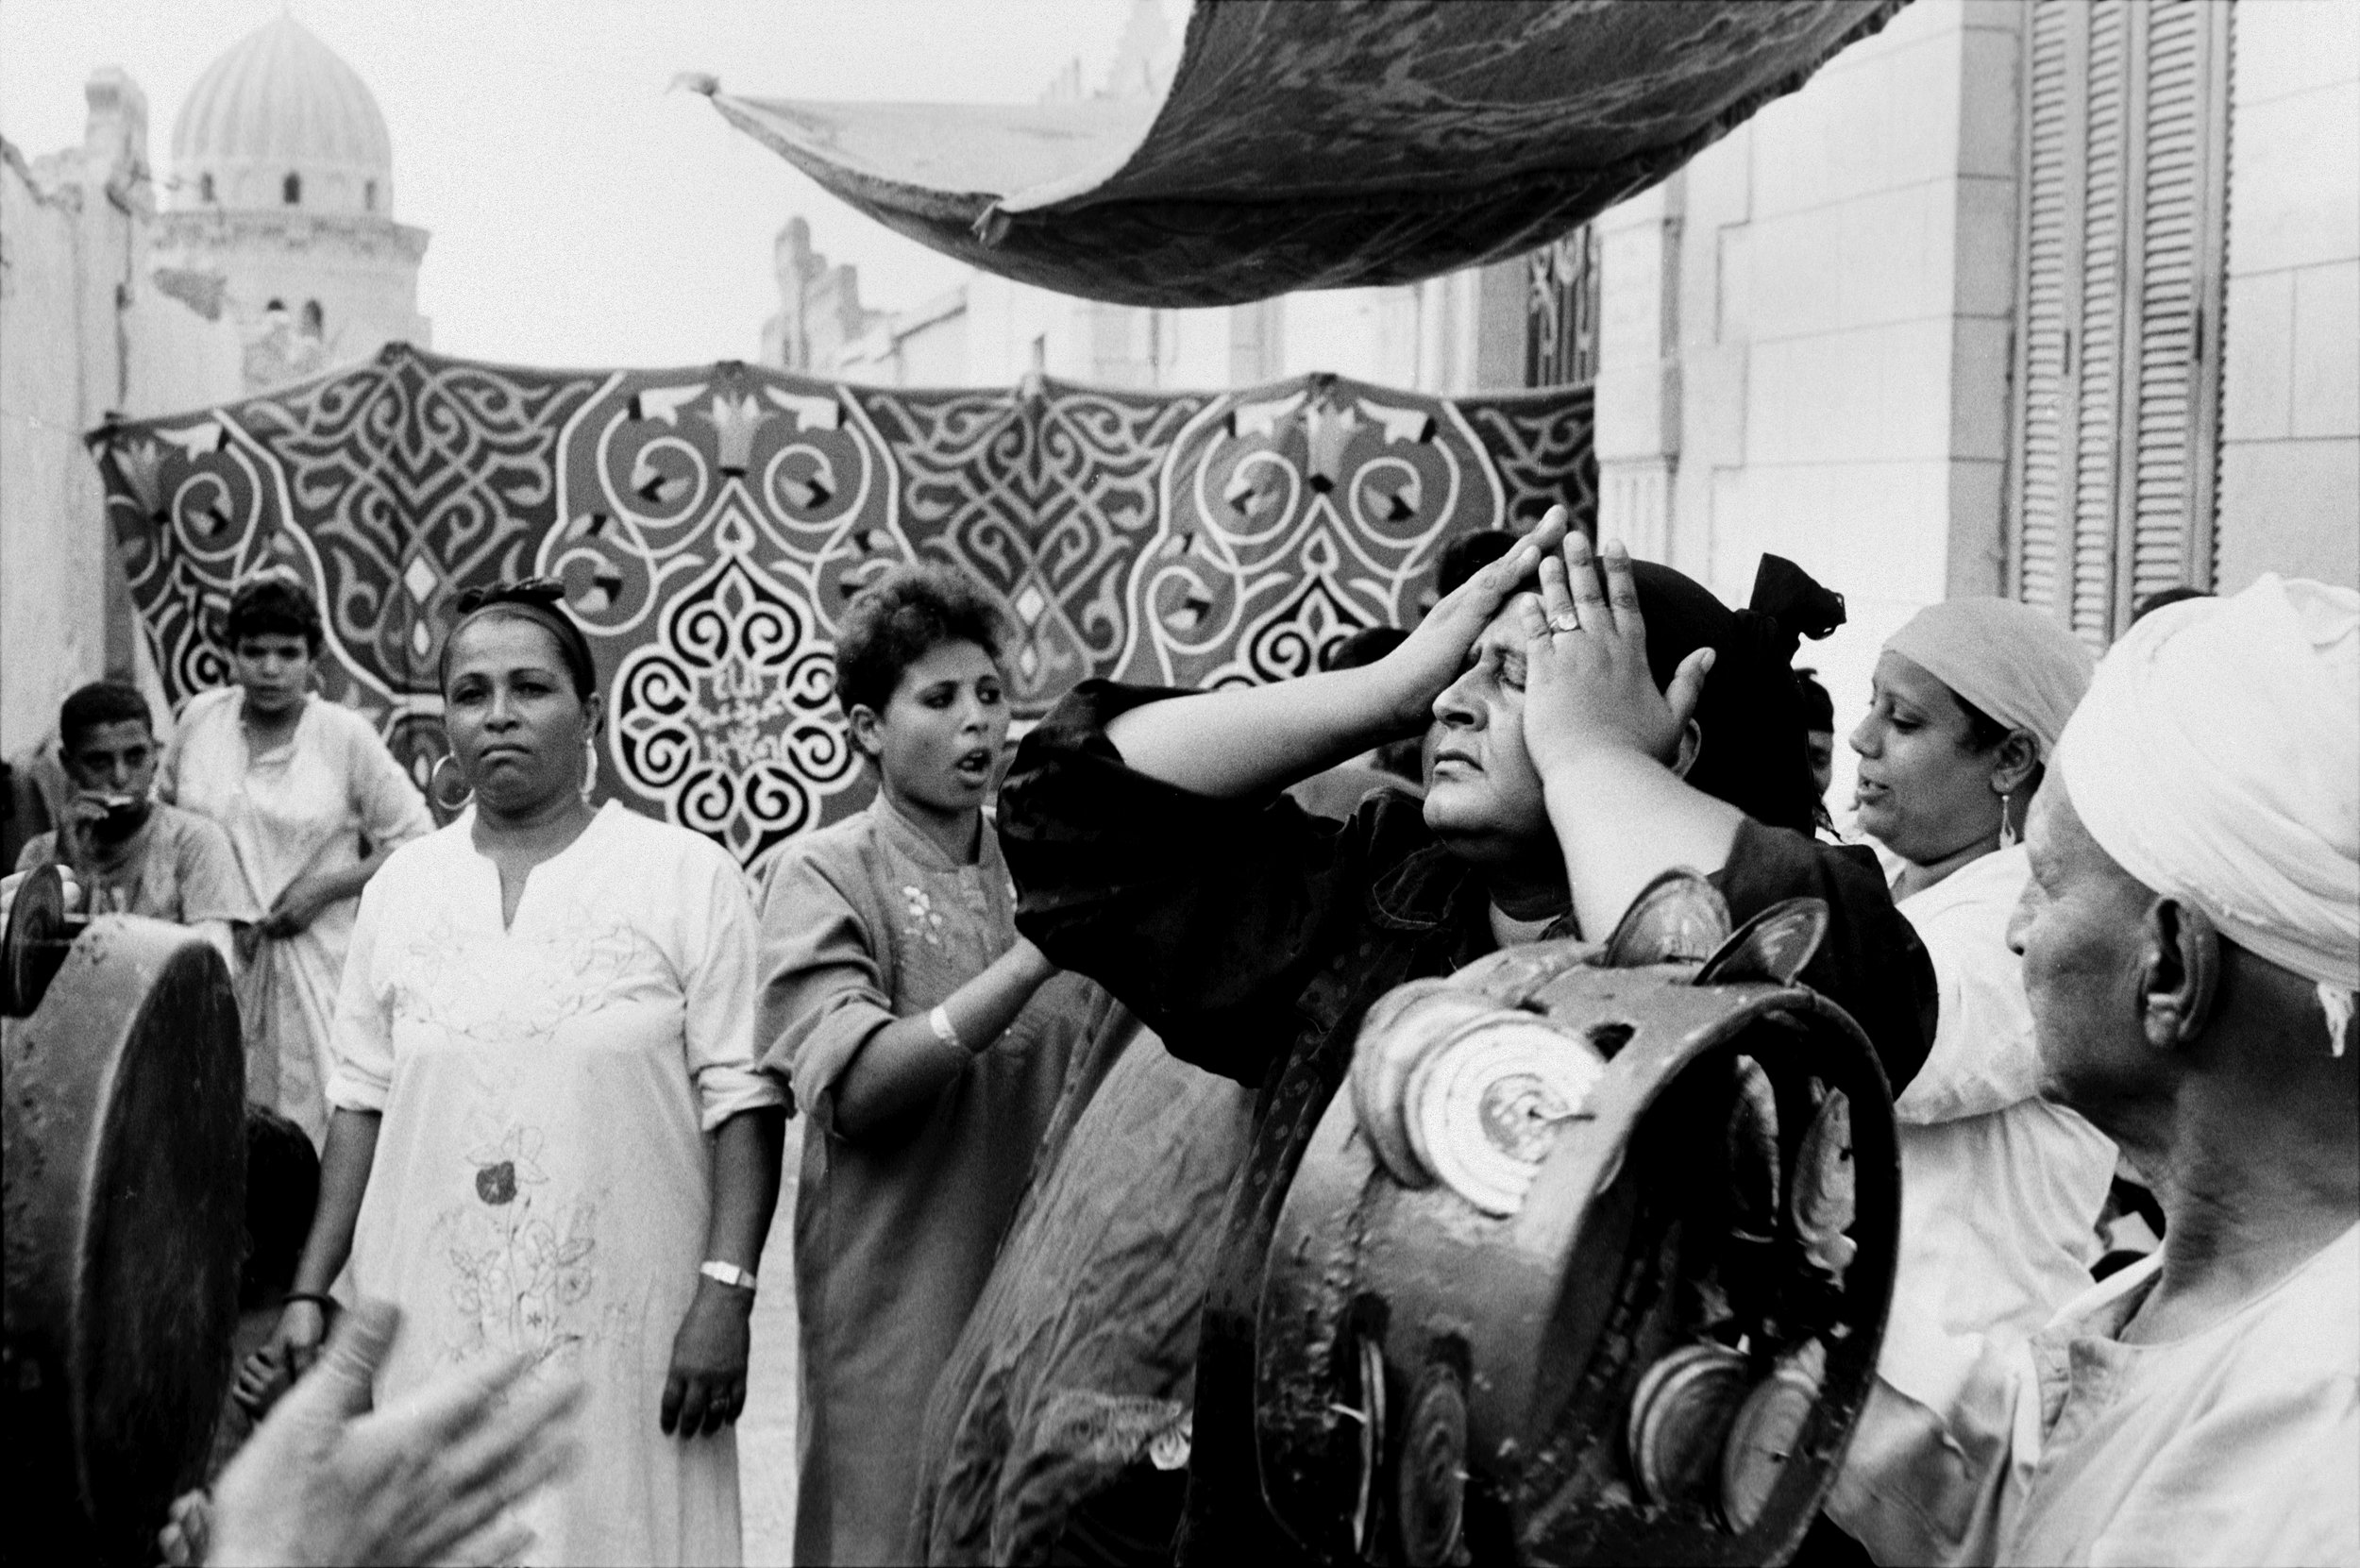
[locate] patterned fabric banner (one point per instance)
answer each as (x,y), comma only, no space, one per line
(710,523)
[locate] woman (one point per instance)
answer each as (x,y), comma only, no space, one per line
(1155,857)
(2000,1189)
(549,1135)
(312,804)
(926,1039)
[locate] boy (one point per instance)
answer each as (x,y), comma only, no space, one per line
(131,853)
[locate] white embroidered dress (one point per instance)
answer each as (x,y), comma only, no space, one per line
(312,804)
(541,1179)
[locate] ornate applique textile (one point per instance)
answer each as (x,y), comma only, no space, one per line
(1319,147)
(709,524)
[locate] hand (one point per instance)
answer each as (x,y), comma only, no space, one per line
(707,1386)
(87,807)
(325,1479)
(1435,654)
(294,1344)
(1586,686)
(261,1378)
(187,1528)
(298,904)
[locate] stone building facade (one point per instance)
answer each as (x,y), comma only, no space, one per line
(2051,298)
(85,330)
(283,190)
(275,256)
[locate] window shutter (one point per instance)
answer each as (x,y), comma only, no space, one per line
(2172,430)
(2051,298)
(2118,367)
(2097,383)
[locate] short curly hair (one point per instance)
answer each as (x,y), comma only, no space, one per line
(899,619)
(272,606)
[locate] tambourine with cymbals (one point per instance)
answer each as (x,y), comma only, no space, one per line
(1590,1261)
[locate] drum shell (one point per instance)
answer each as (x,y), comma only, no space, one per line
(123,1204)
(1519,1307)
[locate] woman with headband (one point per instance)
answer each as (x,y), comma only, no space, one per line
(549,1137)
(2000,1189)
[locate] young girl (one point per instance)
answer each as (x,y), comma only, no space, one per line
(917,1030)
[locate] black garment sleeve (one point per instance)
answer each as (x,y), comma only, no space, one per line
(1872,964)
(1204,916)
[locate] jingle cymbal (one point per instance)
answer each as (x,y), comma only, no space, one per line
(1679,918)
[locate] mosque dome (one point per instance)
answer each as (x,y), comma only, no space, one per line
(281,123)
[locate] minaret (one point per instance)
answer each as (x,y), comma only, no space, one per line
(283,187)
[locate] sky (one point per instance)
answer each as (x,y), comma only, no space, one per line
(581,214)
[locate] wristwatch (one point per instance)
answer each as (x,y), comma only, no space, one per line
(727,1274)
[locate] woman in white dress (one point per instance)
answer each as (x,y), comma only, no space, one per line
(312,804)
(2000,1189)
(548,1132)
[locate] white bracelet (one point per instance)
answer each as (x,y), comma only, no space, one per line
(726,1274)
(940,1020)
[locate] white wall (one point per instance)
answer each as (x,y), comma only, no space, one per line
(82,332)
(1805,337)
(53,607)
(2290,399)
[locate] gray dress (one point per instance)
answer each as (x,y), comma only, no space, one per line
(864,923)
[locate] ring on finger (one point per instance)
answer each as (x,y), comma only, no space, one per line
(1565,622)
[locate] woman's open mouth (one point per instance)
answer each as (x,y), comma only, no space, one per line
(974,767)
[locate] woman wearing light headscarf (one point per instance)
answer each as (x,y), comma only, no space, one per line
(2000,1190)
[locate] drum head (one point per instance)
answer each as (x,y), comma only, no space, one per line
(125,1198)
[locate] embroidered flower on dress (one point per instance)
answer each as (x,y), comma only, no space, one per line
(925,920)
(500,1166)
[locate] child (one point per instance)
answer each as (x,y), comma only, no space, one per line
(131,853)
(921,1032)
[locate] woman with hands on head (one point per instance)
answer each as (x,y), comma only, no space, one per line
(549,1135)
(1585,738)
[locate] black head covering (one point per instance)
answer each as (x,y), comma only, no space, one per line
(1755,753)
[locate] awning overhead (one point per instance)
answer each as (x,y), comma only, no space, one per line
(1326,145)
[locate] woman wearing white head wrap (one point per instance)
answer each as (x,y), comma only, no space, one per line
(2000,1190)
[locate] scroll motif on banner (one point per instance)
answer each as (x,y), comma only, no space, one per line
(711,523)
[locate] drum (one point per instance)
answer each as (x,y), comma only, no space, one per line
(125,1207)
(1589,1263)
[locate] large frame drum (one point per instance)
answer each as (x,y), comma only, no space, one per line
(125,1197)
(1588,1264)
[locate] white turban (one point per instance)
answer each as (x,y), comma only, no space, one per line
(2011,661)
(2218,759)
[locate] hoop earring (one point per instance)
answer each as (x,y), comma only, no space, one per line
(589,767)
(434,790)
(2007,820)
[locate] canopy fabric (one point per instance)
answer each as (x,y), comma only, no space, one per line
(1305,146)
(710,522)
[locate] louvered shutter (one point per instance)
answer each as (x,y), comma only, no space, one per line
(2117,368)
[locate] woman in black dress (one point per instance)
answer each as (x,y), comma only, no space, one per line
(1584,739)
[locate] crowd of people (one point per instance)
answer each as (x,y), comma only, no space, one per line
(1060,1027)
